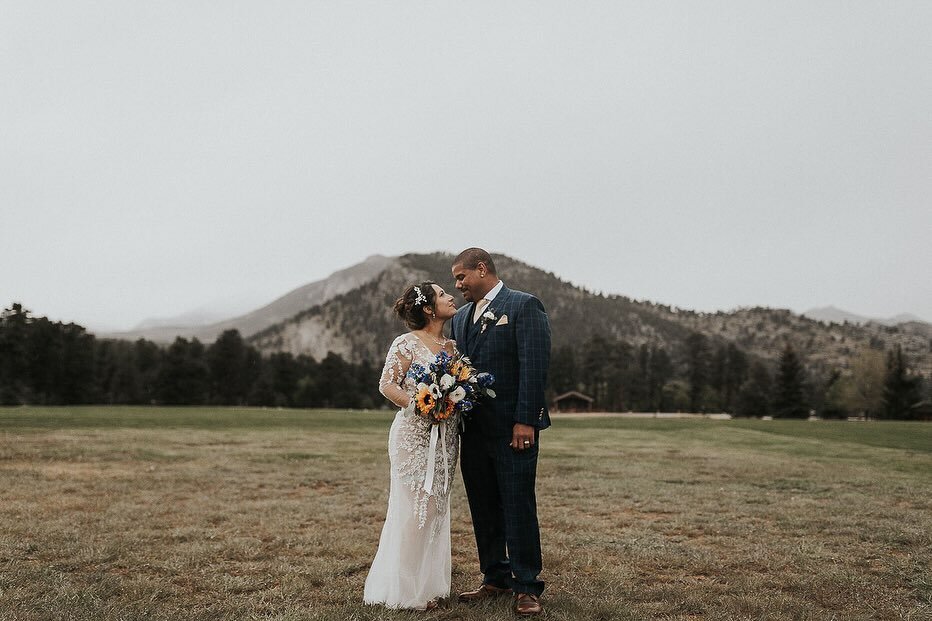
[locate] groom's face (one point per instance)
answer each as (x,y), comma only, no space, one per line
(472,283)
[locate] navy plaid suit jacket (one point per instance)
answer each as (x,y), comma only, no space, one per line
(517,353)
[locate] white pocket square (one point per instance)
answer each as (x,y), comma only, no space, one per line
(503,321)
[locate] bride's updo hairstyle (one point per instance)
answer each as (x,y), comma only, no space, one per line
(412,303)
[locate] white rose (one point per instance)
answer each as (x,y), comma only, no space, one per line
(435,391)
(446,381)
(421,387)
(457,395)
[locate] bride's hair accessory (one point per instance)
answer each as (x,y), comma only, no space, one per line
(412,307)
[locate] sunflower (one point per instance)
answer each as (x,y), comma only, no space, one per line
(447,411)
(463,373)
(425,401)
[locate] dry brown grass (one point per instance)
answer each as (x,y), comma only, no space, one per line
(215,514)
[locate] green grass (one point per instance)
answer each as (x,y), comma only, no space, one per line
(223,513)
(219,418)
(899,435)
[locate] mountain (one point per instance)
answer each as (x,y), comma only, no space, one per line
(283,308)
(191,318)
(831,314)
(358,324)
(349,313)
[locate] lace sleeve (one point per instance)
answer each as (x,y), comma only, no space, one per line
(396,366)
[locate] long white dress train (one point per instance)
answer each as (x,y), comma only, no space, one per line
(413,563)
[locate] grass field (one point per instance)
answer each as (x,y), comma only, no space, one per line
(200,513)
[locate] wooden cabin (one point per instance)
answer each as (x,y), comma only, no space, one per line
(572,401)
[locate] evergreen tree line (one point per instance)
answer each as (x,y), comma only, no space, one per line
(51,363)
(707,377)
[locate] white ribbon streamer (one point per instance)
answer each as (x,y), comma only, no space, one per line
(443,451)
(432,458)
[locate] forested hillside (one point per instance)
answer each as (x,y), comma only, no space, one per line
(626,354)
(637,355)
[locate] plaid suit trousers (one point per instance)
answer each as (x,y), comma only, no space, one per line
(499,484)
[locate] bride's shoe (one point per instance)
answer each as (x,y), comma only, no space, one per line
(432,605)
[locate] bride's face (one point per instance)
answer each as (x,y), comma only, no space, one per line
(444,306)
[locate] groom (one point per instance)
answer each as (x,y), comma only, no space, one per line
(505,333)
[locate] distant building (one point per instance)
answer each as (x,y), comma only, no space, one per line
(572,401)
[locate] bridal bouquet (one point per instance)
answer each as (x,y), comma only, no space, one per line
(449,384)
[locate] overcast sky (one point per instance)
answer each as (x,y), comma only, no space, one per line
(161,157)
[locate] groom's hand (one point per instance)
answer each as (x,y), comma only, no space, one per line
(522,437)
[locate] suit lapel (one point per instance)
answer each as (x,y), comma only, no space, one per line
(463,329)
(472,330)
(499,302)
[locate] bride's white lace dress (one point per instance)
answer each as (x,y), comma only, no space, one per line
(413,562)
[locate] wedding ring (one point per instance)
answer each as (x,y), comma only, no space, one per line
(527,441)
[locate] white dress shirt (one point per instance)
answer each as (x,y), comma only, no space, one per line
(489,297)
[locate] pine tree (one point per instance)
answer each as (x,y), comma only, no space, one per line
(147,357)
(621,377)
(698,369)
(367,378)
(660,372)
(736,371)
(336,383)
(788,399)
(563,373)
(43,362)
(285,372)
(639,380)
(718,371)
(14,375)
(900,390)
(595,370)
(124,384)
(754,395)
(307,391)
(234,367)
(77,364)
(184,378)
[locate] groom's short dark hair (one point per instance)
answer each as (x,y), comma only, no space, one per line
(472,257)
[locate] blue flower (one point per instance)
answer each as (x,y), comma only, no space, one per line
(419,374)
(485,379)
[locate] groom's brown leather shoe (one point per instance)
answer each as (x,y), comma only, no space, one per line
(483,592)
(527,605)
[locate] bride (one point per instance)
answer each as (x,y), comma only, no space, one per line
(413,564)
